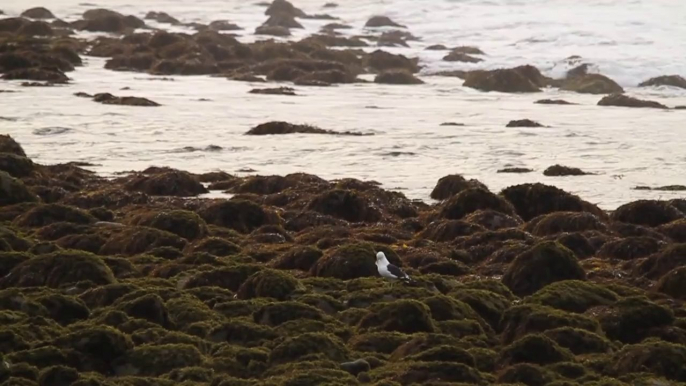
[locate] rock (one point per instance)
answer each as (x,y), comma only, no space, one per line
(627,101)
(13,191)
(531,200)
(514,170)
(672,283)
(292,349)
(268,283)
(561,171)
(515,80)
(523,123)
(640,358)
(274,91)
(280,128)
(334,26)
(650,213)
(561,222)
(436,47)
(382,60)
(162,17)
(38,13)
(282,20)
(394,39)
(109,99)
(573,296)
(58,269)
(397,77)
(406,316)
(382,21)
(543,264)
(553,102)
(36,73)
(579,341)
(273,31)
(172,183)
(9,145)
(240,215)
(592,84)
(223,25)
(356,367)
(58,375)
(473,199)
(156,360)
(46,214)
(630,248)
(453,184)
(665,80)
(16,166)
(461,57)
(537,349)
(136,240)
(631,319)
(660,263)
(284,7)
(330,40)
(183,223)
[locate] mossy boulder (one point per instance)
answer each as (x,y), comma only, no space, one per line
(231,277)
(241,332)
(650,213)
(428,373)
(58,376)
(471,200)
(524,319)
(579,341)
(105,295)
(148,307)
(560,222)
(298,257)
(445,353)
(10,146)
(658,264)
(673,283)
(532,200)
(47,214)
(489,305)
(241,215)
(186,310)
(630,320)
(630,248)
(42,357)
(64,309)
(453,184)
(526,374)
(59,269)
(352,261)
(183,223)
(543,264)
(573,296)
(447,308)
(170,183)
(268,283)
(656,357)
(345,204)
(309,345)
(380,342)
(449,230)
(17,166)
(405,316)
(156,360)
(96,346)
(535,348)
(13,191)
(215,246)
(137,240)
(9,260)
(275,314)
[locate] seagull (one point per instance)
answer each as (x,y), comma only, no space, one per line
(389,270)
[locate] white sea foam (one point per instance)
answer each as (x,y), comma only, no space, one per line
(628,41)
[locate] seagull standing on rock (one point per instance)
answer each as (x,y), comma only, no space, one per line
(389,270)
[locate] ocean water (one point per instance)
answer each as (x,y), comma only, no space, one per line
(630,41)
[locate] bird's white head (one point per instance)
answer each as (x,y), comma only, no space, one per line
(380,257)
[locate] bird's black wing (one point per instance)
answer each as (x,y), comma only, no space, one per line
(395,271)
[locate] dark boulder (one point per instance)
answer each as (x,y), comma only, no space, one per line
(523,123)
(650,213)
(172,183)
(38,13)
(397,77)
(382,21)
(531,200)
(473,199)
(592,84)
(241,215)
(627,101)
(665,80)
(9,145)
(562,171)
(453,184)
(513,80)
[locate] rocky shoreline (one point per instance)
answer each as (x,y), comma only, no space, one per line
(138,281)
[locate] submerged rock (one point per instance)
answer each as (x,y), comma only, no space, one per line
(515,80)
(592,84)
(627,101)
(280,128)
(397,77)
(109,99)
(523,123)
(665,80)
(382,21)
(561,171)
(38,13)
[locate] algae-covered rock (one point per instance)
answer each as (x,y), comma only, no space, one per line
(58,269)
(155,360)
(531,200)
(656,357)
(630,248)
(629,320)
(149,307)
(526,374)
(136,240)
(46,214)
(275,314)
(58,376)
(171,183)
(96,346)
(268,283)
(522,79)
(241,332)
(579,341)
(345,204)
(673,283)
(64,309)
(241,215)
(299,257)
(537,349)
(13,191)
(10,146)
(426,373)
(453,184)
(381,342)
(573,296)
(42,357)
(299,347)
(658,264)
(489,305)
(185,310)
(17,166)
(215,246)
(524,319)
(406,316)
(447,308)
(471,200)
(543,264)
(560,222)
(231,277)
(182,223)
(650,213)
